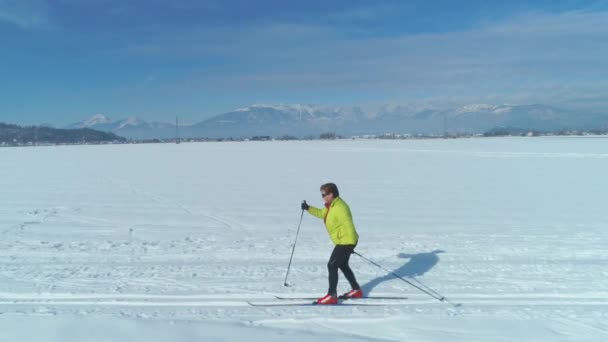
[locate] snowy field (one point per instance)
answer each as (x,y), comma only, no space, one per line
(170,242)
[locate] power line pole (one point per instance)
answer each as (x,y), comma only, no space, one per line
(177,140)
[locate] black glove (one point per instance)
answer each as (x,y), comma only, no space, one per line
(305,205)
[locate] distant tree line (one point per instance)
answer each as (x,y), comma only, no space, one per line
(328,136)
(32,135)
(514,131)
(261,138)
(287,137)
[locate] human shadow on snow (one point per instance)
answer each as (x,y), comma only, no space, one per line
(417,265)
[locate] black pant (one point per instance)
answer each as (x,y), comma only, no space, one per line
(339,260)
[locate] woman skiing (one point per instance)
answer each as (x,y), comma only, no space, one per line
(339,223)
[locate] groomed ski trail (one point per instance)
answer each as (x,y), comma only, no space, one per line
(146,300)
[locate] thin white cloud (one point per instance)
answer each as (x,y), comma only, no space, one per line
(537,57)
(26,14)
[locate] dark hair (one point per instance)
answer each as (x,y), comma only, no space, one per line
(331,187)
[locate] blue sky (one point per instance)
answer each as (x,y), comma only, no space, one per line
(62,61)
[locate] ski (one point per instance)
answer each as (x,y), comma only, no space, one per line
(280,304)
(344,298)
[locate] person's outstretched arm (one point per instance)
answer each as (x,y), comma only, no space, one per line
(320,213)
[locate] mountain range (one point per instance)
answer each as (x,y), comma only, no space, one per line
(307,120)
(131,127)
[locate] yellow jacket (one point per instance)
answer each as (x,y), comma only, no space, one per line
(338,221)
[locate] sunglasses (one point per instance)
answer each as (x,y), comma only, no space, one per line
(325,194)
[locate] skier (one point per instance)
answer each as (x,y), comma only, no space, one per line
(339,223)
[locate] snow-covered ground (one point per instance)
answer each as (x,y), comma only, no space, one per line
(169,242)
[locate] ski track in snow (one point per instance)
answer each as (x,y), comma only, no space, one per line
(513,229)
(170,203)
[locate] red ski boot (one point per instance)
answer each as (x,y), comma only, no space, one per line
(328,300)
(353,294)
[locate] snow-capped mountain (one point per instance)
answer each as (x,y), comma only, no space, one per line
(95,120)
(98,119)
(310,120)
(130,127)
(276,120)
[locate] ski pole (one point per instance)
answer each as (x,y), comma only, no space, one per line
(293,249)
(435,295)
(426,287)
